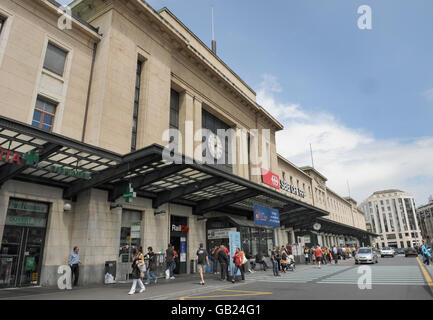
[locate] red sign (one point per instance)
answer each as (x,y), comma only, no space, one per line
(9,156)
(270,179)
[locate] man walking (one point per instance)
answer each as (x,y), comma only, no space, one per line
(152,266)
(203,262)
(335,254)
(74,262)
(223,261)
(318,253)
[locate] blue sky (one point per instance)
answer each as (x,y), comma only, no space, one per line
(363,98)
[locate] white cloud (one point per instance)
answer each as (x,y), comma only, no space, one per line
(428,94)
(342,153)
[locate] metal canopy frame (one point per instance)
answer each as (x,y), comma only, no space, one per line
(192,183)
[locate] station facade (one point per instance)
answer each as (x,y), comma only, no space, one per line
(84,116)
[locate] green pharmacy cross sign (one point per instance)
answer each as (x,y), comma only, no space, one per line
(130,194)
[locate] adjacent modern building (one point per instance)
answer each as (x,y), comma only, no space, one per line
(425,219)
(85,114)
(391,213)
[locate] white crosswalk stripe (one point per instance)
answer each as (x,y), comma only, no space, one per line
(381,275)
(298,276)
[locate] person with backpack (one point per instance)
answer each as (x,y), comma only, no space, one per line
(203,262)
(223,260)
(151,257)
(238,260)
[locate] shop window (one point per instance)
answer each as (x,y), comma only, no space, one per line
(55,59)
(129,240)
(43,117)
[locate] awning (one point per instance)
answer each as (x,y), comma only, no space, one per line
(333,227)
(76,167)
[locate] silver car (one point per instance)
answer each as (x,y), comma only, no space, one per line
(366,255)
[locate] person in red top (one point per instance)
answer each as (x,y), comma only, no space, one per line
(318,253)
(238,260)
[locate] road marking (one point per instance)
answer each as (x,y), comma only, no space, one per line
(301,276)
(426,275)
(381,275)
(240,293)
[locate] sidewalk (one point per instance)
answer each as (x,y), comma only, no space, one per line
(183,285)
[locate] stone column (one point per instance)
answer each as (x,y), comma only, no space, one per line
(186,114)
(96,231)
(197,117)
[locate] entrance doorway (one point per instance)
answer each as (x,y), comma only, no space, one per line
(22,245)
(178,238)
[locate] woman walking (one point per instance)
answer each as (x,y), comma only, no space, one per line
(137,264)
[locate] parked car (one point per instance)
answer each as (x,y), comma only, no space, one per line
(387,252)
(366,255)
(399,251)
(410,252)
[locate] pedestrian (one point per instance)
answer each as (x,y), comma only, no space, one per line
(223,260)
(137,264)
(289,249)
(278,257)
(335,254)
(261,260)
(203,262)
(74,263)
(169,258)
(238,262)
(318,254)
(214,258)
(252,262)
(284,257)
(306,255)
(324,256)
(426,252)
(152,266)
(274,260)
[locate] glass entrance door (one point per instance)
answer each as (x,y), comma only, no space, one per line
(21,256)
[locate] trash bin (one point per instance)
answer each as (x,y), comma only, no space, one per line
(110,272)
(193,266)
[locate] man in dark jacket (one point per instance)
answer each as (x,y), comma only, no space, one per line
(223,260)
(169,256)
(152,265)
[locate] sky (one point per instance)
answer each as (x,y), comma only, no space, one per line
(362,98)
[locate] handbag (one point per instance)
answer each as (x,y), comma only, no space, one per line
(167,274)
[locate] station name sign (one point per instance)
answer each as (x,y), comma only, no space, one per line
(291,188)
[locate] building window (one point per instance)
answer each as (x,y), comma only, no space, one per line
(55,59)
(174,110)
(136,106)
(2,23)
(43,117)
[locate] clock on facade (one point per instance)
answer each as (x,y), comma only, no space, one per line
(215,146)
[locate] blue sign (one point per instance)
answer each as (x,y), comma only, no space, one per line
(235,242)
(264,216)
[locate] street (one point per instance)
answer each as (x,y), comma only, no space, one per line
(392,278)
(397,278)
